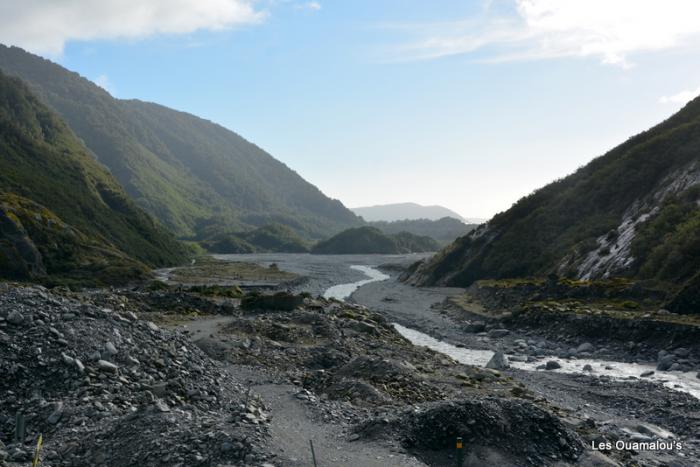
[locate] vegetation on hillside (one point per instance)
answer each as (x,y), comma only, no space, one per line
(650,180)
(370,240)
(58,198)
(443,230)
(188,172)
(269,238)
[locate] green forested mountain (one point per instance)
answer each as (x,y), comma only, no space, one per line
(444,230)
(265,239)
(632,212)
(61,213)
(197,177)
(370,240)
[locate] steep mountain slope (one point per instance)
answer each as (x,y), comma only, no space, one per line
(633,212)
(403,211)
(186,171)
(61,212)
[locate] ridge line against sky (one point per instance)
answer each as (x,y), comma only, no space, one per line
(450,103)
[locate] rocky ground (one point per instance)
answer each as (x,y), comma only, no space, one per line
(192,375)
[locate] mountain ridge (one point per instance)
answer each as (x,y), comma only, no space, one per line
(61,211)
(633,212)
(184,170)
(405,211)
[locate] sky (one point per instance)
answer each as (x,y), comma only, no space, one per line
(466,104)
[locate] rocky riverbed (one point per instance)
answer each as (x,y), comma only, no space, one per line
(193,375)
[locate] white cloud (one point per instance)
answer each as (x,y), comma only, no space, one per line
(104,82)
(44,26)
(312,6)
(682,97)
(611,30)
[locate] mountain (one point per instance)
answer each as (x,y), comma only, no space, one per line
(269,238)
(61,213)
(632,212)
(445,230)
(403,211)
(370,240)
(191,174)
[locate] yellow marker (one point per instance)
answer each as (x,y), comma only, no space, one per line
(38,450)
(459,443)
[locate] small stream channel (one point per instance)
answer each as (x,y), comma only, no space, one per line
(685,382)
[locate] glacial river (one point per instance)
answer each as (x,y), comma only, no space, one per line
(685,382)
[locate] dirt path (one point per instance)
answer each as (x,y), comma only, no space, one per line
(293,422)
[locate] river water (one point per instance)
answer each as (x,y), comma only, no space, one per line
(685,382)
(343,291)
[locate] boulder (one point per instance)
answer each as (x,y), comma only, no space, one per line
(665,363)
(498,361)
(647,373)
(552,365)
(585,347)
(681,352)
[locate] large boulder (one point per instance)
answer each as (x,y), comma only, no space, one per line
(498,362)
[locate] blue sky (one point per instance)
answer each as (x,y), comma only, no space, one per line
(467,104)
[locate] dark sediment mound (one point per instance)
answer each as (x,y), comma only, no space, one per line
(495,432)
(108,389)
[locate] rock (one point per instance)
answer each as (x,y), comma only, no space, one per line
(552,365)
(587,367)
(498,361)
(56,414)
(110,349)
(647,373)
(161,405)
(79,365)
(15,317)
(152,326)
(661,355)
(283,301)
(675,367)
(475,327)
(104,365)
(585,347)
(498,333)
(698,375)
(681,352)
(665,363)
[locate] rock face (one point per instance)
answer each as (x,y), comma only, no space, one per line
(158,401)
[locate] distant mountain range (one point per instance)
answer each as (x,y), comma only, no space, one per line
(404,211)
(633,212)
(198,178)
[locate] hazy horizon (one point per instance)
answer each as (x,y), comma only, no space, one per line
(467,105)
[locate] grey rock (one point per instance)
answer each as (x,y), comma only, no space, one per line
(585,347)
(498,361)
(161,405)
(552,365)
(675,367)
(152,326)
(56,414)
(110,349)
(104,365)
(15,317)
(647,373)
(665,363)
(497,333)
(682,352)
(587,367)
